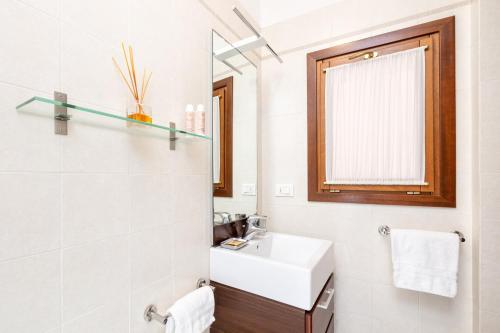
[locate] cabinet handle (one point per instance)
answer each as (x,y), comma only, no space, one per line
(326,304)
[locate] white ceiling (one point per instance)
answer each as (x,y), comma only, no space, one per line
(269,12)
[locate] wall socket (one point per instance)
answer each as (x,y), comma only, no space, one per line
(248,189)
(284,190)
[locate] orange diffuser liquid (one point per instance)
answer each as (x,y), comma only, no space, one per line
(140,112)
(141,117)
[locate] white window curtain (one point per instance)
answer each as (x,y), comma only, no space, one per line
(216,139)
(374,121)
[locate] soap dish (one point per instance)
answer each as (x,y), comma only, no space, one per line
(234,243)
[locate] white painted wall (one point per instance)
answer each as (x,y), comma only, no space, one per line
(98,224)
(366,300)
(269,12)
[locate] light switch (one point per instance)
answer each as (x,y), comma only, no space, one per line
(284,190)
(248,189)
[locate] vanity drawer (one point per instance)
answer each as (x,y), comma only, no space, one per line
(238,311)
(320,315)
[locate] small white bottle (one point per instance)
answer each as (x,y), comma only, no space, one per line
(200,119)
(190,118)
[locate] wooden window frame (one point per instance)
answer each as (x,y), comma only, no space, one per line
(440,116)
(224,89)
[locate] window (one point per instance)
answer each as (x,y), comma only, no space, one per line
(223,137)
(422,169)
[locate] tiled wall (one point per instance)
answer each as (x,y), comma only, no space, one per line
(98,224)
(366,300)
(489,146)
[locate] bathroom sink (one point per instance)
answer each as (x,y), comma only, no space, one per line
(285,268)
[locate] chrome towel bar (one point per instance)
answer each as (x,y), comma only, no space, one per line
(385,230)
(151,312)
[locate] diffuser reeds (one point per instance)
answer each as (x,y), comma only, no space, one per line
(131,82)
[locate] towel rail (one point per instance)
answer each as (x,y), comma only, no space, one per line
(151,312)
(385,230)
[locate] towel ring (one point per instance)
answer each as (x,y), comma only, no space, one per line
(151,312)
(385,230)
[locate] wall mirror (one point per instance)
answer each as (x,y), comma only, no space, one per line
(234,132)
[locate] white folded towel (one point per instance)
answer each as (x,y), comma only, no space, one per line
(194,313)
(425,261)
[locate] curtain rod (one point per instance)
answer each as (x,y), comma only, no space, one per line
(370,55)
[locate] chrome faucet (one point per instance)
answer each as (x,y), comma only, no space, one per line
(256,225)
(225,217)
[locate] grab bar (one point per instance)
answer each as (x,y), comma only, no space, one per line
(385,230)
(151,312)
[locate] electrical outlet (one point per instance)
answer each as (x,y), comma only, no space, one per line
(248,189)
(284,190)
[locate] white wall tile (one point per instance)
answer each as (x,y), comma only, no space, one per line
(192,157)
(110,318)
(489,322)
(106,19)
(189,199)
(92,175)
(50,7)
(490,196)
(27,140)
(490,126)
(489,139)
(443,315)
(95,144)
(148,150)
(488,66)
(87,70)
(159,293)
(190,262)
(32,59)
(94,207)
(184,256)
(353,296)
(30,220)
(352,323)
(489,282)
(156,54)
(94,275)
(489,13)
(490,246)
(151,255)
(395,308)
(151,199)
(30,290)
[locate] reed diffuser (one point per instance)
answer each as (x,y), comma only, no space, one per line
(136,110)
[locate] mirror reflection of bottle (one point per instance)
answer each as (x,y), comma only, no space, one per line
(190,118)
(200,119)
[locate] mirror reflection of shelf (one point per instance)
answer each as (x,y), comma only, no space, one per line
(61,117)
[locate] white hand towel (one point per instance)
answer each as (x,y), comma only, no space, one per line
(425,261)
(194,313)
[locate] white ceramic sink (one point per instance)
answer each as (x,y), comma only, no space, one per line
(285,268)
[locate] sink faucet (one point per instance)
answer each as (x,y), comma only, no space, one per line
(225,217)
(256,225)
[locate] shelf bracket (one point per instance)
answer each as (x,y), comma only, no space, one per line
(173,136)
(61,116)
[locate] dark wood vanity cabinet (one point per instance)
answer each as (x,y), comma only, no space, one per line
(238,311)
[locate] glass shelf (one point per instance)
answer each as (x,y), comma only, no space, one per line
(38,99)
